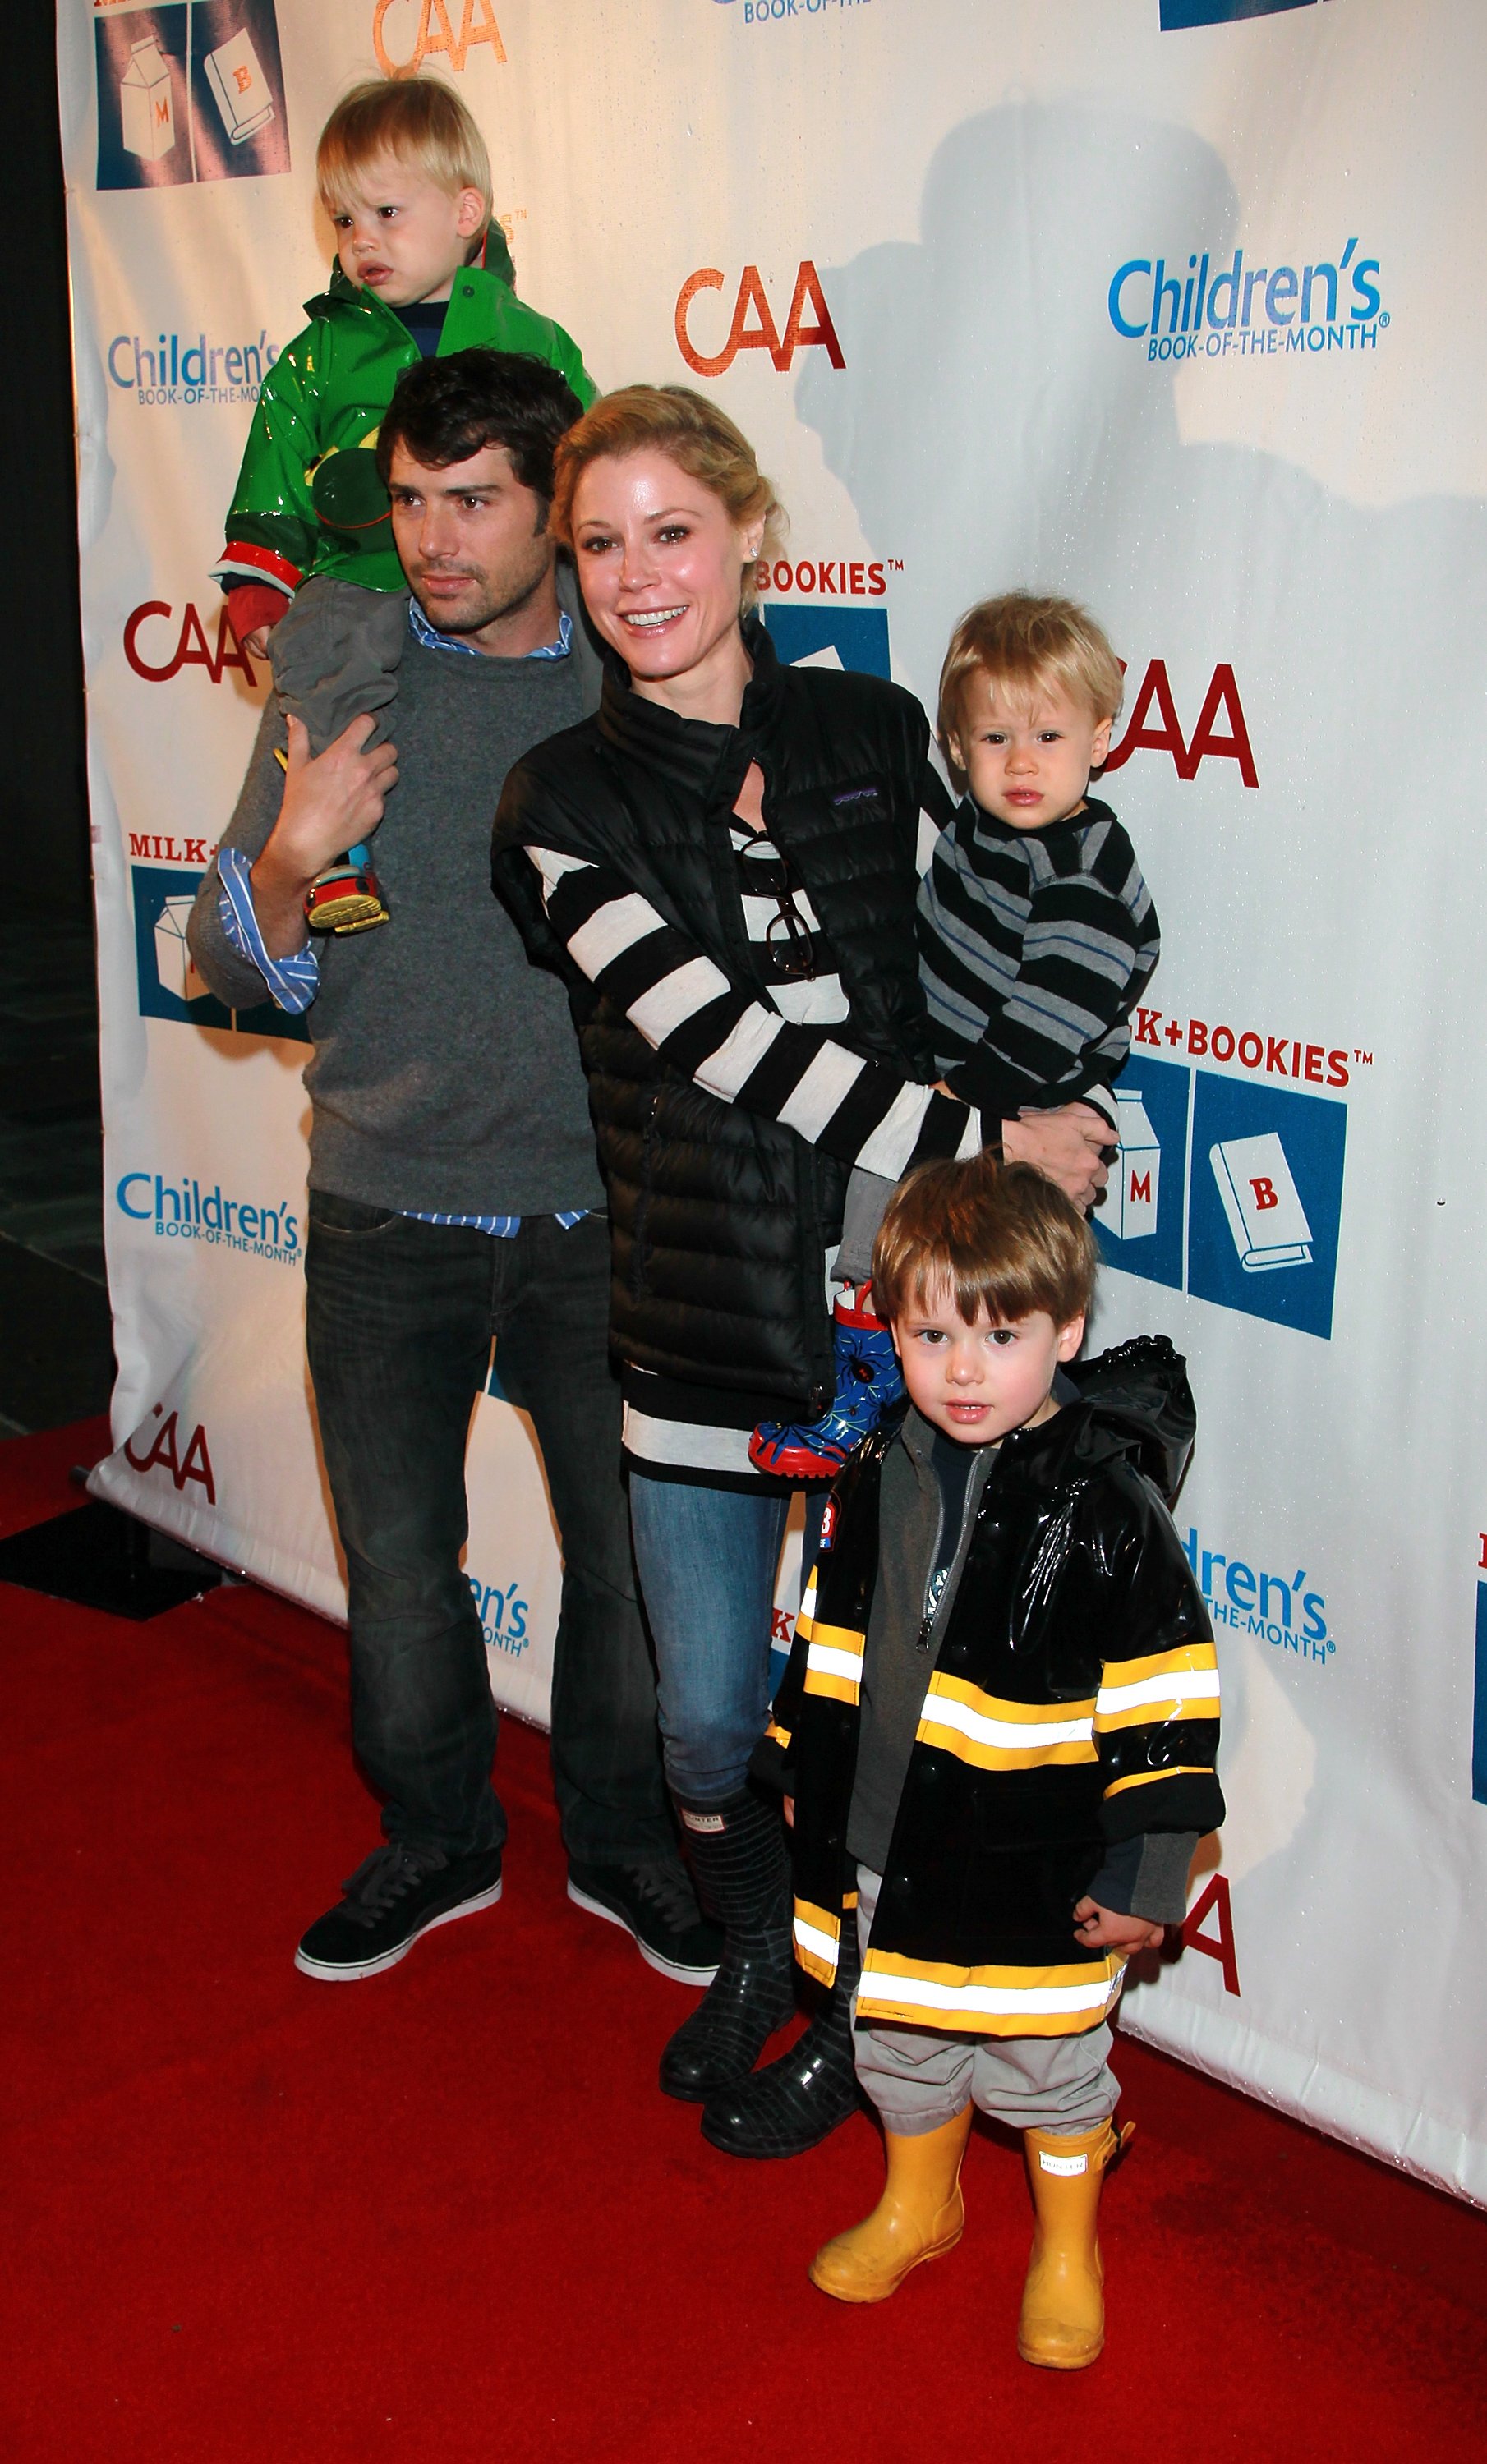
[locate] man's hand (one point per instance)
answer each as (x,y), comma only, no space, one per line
(1066,1146)
(1100,1928)
(328,803)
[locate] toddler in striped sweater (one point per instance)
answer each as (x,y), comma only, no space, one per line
(1038,937)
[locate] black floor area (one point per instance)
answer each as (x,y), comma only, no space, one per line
(56,1361)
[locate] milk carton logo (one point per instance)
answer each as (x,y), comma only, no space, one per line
(169,986)
(1229,1190)
(191,89)
(146,105)
(1137,1178)
(829,637)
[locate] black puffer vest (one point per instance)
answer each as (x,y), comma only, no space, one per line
(720,1218)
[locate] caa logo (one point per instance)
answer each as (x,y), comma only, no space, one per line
(436,34)
(1228,1190)
(168,984)
(193,90)
(191,648)
(165,1453)
(808,301)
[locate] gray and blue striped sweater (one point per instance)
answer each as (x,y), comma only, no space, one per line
(1035,948)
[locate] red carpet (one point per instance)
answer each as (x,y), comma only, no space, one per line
(444,2216)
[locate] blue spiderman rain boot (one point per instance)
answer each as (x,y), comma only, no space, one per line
(866,1382)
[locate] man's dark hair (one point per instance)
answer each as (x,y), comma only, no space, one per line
(443,412)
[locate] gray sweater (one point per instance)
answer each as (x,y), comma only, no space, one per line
(445,1076)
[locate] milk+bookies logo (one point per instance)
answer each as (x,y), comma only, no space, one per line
(168,984)
(1186,307)
(1231,1189)
(1179,14)
(192,90)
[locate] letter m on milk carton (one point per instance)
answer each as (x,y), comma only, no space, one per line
(1130,1210)
(146,106)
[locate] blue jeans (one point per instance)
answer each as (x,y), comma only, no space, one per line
(708,1559)
(399,1320)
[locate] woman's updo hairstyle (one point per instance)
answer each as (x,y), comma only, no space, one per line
(691,432)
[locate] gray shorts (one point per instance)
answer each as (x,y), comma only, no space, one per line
(918,2081)
(335,653)
(867,1195)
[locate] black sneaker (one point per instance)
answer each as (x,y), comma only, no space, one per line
(399,1892)
(654,1902)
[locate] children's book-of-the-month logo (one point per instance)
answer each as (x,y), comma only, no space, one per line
(1228,1189)
(168,984)
(180,1209)
(1192,305)
(1285,1608)
(788,12)
(192,90)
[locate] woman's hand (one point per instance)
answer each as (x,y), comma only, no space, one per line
(1067,1146)
(788,1804)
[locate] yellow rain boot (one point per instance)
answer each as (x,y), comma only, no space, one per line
(1062,2325)
(920,2215)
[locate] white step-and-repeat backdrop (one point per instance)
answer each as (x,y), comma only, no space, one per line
(1168,303)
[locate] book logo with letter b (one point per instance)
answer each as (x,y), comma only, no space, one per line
(1262,1203)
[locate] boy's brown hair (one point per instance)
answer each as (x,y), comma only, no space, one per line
(1023,643)
(418,119)
(1002,1238)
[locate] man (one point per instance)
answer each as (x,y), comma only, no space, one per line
(454,1195)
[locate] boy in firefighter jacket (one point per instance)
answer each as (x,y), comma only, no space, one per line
(422,272)
(998,1728)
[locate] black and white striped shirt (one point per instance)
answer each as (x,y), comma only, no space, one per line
(774,1055)
(730,1040)
(1035,948)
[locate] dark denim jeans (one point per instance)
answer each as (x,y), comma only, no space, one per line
(400,1319)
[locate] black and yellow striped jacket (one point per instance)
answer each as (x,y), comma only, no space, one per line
(1071,1701)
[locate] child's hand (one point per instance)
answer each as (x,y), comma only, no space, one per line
(257,643)
(788,1804)
(1099,1928)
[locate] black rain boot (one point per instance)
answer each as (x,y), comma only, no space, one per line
(799,2100)
(743,1880)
